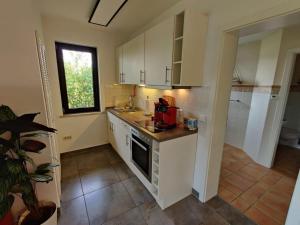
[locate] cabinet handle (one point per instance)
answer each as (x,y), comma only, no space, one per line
(127,141)
(123,75)
(121,78)
(167,69)
(142,81)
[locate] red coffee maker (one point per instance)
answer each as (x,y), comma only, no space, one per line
(165,115)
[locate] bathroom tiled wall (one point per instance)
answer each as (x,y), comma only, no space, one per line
(238,115)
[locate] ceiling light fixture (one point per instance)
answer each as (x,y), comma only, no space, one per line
(105,11)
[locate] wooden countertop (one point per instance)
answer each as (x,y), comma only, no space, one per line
(132,117)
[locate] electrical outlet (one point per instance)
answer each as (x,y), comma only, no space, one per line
(67,137)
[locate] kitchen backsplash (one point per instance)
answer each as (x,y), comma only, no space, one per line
(187,99)
(117,95)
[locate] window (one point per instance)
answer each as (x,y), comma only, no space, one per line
(78,78)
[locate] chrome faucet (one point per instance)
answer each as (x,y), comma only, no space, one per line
(131,102)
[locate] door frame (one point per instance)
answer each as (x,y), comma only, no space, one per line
(283,96)
(220,103)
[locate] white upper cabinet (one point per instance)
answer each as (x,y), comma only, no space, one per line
(169,54)
(193,47)
(119,63)
(158,53)
(134,61)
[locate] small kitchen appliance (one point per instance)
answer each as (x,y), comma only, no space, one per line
(164,115)
(141,152)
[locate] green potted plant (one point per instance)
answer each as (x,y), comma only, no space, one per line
(18,172)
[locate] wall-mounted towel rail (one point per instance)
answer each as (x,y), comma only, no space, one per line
(239,101)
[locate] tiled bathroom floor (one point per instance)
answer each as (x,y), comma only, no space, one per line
(99,189)
(262,194)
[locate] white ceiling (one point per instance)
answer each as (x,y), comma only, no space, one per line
(271,24)
(132,16)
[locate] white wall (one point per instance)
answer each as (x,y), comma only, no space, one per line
(260,104)
(87,130)
(238,112)
(290,40)
(20,81)
(247,60)
(268,59)
(237,120)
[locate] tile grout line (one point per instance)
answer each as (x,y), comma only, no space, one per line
(79,174)
(267,191)
(122,181)
(87,213)
(255,183)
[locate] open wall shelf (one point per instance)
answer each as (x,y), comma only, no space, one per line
(177,52)
(179,23)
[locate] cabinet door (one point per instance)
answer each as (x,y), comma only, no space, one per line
(158,53)
(112,130)
(123,141)
(119,64)
(133,60)
(194,37)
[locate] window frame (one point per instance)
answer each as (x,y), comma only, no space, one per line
(60,46)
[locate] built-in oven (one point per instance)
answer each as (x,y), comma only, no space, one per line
(141,152)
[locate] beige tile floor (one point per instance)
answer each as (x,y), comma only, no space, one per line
(262,194)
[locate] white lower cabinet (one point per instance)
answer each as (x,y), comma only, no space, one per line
(112,124)
(123,140)
(173,162)
(119,136)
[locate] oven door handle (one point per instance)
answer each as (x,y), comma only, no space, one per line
(139,144)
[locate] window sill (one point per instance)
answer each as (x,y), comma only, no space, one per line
(80,114)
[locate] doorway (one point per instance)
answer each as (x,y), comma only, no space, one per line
(248,180)
(287,157)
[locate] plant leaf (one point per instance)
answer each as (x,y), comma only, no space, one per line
(29,117)
(42,172)
(21,126)
(22,154)
(33,146)
(30,135)
(41,178)
(6,143)
(47,166)
(6,113)
(6,205)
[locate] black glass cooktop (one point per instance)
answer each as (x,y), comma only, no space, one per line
(149,125)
